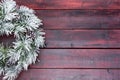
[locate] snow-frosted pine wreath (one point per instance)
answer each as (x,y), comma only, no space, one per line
(21,22)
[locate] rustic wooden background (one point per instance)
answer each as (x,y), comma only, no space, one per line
(82,38)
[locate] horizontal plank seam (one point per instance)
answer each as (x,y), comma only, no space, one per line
(78,68)
(74,9)
(76,48)
(86,29)
(80,29)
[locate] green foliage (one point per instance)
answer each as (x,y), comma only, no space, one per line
(24,25)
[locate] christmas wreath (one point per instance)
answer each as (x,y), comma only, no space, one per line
(21,22)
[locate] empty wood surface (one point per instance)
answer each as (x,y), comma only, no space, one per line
(71,4)
(83,38)
(80,19)
(70,74)
(78,58)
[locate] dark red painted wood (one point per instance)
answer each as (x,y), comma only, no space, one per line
(74,63)
(70,74)
(78,58)
(80,19)
(83,38)
(78,39)
(71,4)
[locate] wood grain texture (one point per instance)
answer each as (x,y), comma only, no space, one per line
(78,39)
(83,39)
(80,19)
(70,74)
(78,58)
(71,4)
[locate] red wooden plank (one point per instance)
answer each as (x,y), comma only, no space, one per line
(71,4)
(78,58)
(80,19)
(69,74)
(78,39)
(83,38)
